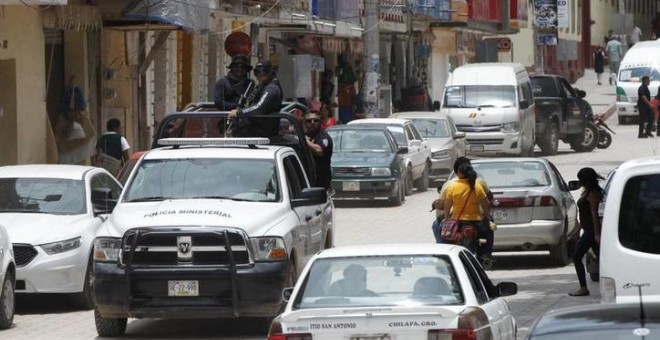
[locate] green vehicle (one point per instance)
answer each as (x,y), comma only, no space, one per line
(367,163)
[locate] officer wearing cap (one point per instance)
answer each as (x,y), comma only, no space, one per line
(268,100)
(229,89)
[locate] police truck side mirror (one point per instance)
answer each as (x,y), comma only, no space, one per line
(287,293)
(436,105)
(102,201)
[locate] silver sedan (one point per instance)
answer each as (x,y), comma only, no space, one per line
(446,142)
(532,207)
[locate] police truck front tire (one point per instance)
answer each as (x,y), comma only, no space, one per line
(109,327)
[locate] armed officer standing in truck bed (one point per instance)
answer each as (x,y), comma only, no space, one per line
(268,100)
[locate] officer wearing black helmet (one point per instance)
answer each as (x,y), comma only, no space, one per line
(229,89)
(268,100)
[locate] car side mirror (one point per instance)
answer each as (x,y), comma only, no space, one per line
(574,185)
(310,196)
(459,135)
(287,293)
(507,288)
(102,201)
(402,150)
(436,105)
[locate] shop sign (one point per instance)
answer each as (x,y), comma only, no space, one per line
(562,13)
(545,20)
(485,10)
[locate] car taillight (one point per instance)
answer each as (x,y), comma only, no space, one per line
(473,324)
(529,201)
(275,333)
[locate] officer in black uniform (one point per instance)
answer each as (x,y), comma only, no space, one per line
(267,100)
(321,145)
(229,89)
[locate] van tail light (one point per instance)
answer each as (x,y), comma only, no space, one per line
(275,333)
(607,290)
(473,324)
(528,201)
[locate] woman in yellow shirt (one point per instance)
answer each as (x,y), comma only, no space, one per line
(465,201)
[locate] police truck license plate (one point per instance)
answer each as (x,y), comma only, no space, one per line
(351,186)
(477,148)
(183,288)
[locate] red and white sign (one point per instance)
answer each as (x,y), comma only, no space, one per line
(238,43)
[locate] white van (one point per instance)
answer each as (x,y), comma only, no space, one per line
(643,59)
(630,239)
(493,104)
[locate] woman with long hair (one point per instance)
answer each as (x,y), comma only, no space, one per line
(592,195)
(465,202)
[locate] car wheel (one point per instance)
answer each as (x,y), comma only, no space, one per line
(409,182)
(397,199)
(7,302)
(559,252)
(549,141)
(423,182)
(85,299)
(604,140)
(622,120)
(109,327)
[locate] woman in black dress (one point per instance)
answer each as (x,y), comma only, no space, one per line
(587,204)
(599,62)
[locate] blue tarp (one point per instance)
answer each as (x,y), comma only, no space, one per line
(192,15)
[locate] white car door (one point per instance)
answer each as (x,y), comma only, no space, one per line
(496,309)
(415,150)
(309,216)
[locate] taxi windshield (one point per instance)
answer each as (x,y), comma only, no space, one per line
(368,281)
(58,196)
(199,178)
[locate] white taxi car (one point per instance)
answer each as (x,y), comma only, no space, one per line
(52,213)
(7,279)
(394,292)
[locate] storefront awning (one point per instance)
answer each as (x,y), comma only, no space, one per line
(191,15)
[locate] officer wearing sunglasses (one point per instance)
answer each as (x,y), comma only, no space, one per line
(268,100)
(229,89)
(320,143)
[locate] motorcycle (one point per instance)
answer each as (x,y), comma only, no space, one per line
(604,136)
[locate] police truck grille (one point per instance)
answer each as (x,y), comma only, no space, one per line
(171,248)
(24,254)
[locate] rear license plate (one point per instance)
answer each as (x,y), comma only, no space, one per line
(477,148)
(500,215)
(183,288)
(370,337)
(351,186)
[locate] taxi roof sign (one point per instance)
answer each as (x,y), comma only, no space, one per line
(212,141)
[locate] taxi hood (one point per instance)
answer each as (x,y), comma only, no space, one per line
(45,228)
(254,218)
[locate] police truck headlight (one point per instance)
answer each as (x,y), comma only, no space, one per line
(510,127)
(107,249)
(61,246)
(269,249)
(381,172)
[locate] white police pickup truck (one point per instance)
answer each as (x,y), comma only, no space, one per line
(208,227)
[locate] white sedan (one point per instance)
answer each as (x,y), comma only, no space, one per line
(52,213)
(395,291)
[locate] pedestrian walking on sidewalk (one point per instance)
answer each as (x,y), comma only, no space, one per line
(634,35)
(614,55)
(645,108)
(592,195)
(599,63)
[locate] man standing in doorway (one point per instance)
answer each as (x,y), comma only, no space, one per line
(321,145)
(614,55)
(112,148)
(229,89)
(645,109)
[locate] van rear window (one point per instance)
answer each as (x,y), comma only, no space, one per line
(639,216)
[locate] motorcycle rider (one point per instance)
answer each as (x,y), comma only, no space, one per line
(267,100)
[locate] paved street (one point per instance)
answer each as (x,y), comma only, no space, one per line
(541,286)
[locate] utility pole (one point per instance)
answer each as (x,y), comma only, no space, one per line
(371,36)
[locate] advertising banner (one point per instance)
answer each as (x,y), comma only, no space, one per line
(562,13)
(545,21)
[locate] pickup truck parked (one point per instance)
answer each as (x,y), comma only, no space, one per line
(209,226)
(562,114)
